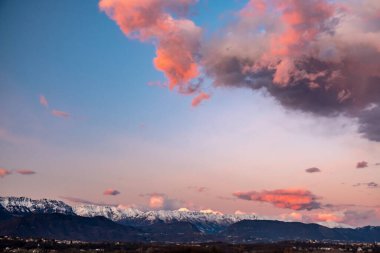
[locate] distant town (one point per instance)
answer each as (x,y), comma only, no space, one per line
(36,245)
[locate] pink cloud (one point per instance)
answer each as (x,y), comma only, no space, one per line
(293,216)
(111,192)
(60,114)
(160,201)
(4,172)
(25,172)
(177,39)
(199,99)
(296,199)
(327,217)
(156,201)
(43,101)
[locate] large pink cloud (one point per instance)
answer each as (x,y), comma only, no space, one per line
(177,39)
(318,56)
(296,199)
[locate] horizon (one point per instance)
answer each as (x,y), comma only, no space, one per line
(265,107)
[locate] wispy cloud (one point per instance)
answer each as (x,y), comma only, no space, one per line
(197,100)
(111,192)
(25,172)
(60,114)
(43,101)
(4,172)
(57,113)
(313,170)
(296,199)
(199,189)
(369,185)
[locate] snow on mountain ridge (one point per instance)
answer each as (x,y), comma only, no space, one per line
(23,205)
(111,212)
(118,214)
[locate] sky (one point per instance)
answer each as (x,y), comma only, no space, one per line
(269,107)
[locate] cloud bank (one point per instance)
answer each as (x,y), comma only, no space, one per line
(320,57)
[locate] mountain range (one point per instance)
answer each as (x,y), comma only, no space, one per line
(25,217)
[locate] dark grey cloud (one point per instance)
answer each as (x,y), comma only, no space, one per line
(369,121)
(330,74)
(313,170)
(369,185)
(361,165)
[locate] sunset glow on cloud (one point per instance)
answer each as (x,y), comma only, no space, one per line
(111,192)
(296,199)
(60,114)
(43,101)
(177,39)
(4,172)
(199,98)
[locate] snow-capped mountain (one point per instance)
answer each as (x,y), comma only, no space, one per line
(110,212)
(22,205)
(208,222)
(332,224)
(118,214)
(205,221)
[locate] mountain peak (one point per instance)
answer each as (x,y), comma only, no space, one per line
(23,205)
